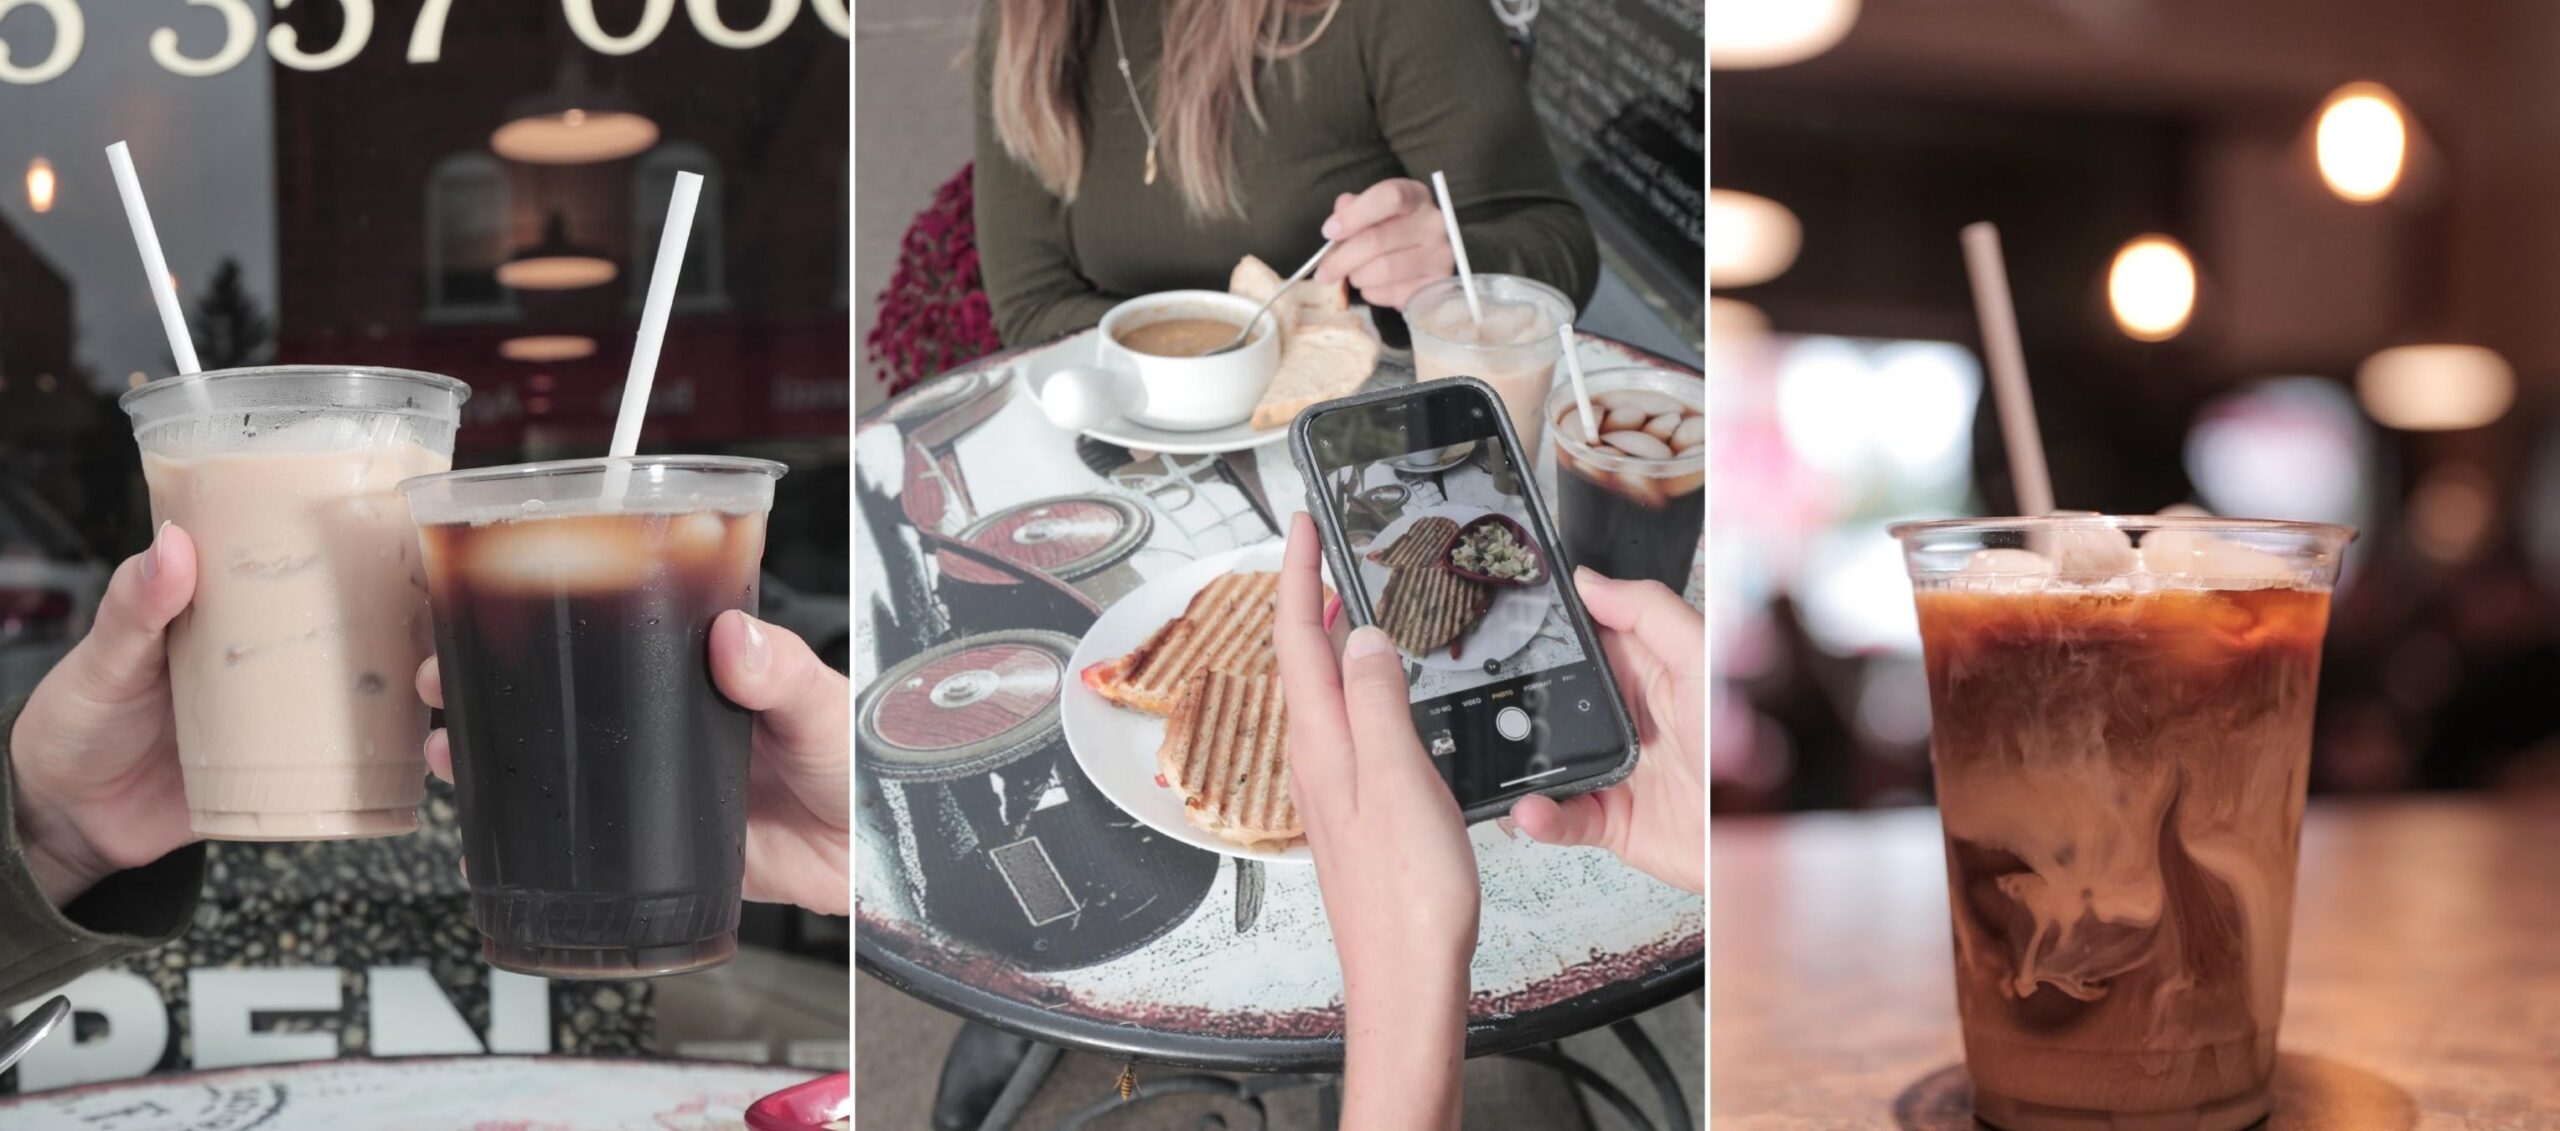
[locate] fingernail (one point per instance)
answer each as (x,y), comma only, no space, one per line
(1366,641)
(1509,827)
(1584,577)
(1333,229)
(151,557)
(759,650)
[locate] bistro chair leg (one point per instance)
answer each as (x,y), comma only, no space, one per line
(1578,1073)
(974,1072)
(1675,1104)
(1018,1091)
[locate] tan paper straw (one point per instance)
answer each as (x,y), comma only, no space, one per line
(2008,362)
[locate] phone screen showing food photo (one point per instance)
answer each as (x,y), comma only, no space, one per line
(1434,510)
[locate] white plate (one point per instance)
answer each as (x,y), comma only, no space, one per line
(1115,746)
(1508,625)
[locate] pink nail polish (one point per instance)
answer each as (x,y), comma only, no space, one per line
(151,557)
(759,649)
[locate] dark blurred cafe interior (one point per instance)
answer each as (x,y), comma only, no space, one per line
(2283,260)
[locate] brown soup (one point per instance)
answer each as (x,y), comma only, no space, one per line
(1178,337)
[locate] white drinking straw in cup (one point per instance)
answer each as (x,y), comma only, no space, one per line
(1581,393)
(653,331)
(146,239)
(1457,247)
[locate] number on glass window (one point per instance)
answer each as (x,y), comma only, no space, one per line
(706,19)
(68,31)
(426,41)
(582,20)
(285,45)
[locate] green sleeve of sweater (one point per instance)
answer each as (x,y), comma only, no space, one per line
(1032,284)
(42,946)
(1452,97)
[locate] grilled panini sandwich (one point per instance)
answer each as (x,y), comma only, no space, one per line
(1226,749)
(1423,543)
(1426,607)
(1226,628)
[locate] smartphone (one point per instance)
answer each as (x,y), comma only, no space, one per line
(1510,689)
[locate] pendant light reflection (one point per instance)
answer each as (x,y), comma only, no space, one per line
(1750,239)
(2436,387)
(2361,141)
(556,264)
(1750,34)
(573,123)
(40,185)
(547,347)
(2152,288)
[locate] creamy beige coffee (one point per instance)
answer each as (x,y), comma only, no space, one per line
(293,669)
(1178,337)
(1512,347)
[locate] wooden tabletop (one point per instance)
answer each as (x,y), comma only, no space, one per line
(2424,990)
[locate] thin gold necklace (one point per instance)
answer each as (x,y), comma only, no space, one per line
(1135,103)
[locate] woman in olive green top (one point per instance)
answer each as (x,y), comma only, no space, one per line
(96,857)
(1260,127)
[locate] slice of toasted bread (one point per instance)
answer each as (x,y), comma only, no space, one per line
(1226,627)
(1226,750)
(1426,607)
(1317,363)
(1254,280)
(1424,542)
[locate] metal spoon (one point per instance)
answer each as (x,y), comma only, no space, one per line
(27,1033)
(1247,333)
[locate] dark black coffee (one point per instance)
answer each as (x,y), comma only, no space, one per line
(602,778)
(1627,534)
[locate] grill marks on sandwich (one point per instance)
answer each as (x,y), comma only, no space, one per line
(1226,628)
(1226,749)
(1425,542)
(1426,607)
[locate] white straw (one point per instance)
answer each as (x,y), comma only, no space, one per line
(146,239)
(1581,394)
(1457,247)
(653,329)
(2008,360)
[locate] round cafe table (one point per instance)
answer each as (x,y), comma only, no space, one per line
(993,879)
(554,1093)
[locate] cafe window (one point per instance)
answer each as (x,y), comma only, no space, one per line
(699,286)
(467,209)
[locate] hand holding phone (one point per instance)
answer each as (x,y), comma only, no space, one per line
(1508,685)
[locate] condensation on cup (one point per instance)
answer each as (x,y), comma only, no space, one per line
(292,669)
(2121,731)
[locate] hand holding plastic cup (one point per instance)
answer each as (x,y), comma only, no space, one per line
(289,669)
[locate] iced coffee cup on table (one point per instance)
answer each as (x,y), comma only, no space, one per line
(1507,341)
(292,668)
(2121,729)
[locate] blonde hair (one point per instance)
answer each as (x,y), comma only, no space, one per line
(1213,50)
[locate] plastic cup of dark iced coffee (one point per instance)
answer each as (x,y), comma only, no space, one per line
(2121,728)
(1631,501)
(601,777)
